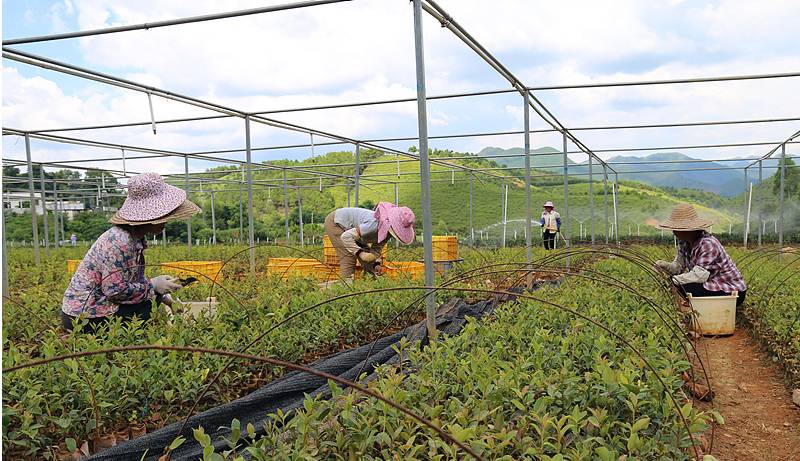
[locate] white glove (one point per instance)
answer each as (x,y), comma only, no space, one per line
(673,268)
(696,275)
(164,284)
(367,257)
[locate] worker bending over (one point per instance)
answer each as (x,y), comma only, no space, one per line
(359,233)
(110,279)
(551,225)
(701,267)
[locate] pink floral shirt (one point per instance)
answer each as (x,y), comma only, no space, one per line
(111,273)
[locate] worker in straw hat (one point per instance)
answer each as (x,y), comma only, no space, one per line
(551,225)
(110,279)
(360,233)
(701,267)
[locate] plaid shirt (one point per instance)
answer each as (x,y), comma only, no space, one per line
(709,254)
(111,273)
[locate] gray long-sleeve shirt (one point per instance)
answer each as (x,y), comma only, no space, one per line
(362,218)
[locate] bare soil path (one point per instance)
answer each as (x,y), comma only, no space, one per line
(761,422)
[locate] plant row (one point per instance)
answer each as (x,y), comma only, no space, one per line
(78,400)
(531,382)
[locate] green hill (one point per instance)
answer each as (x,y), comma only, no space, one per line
(639,204)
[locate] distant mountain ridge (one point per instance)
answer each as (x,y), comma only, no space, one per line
(684,173)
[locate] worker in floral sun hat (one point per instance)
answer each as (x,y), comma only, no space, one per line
(702,267)
(110,279)
(360,233)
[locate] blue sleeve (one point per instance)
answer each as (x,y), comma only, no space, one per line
(558,223)
(541,221)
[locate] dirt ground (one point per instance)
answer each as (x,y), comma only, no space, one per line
(761,422)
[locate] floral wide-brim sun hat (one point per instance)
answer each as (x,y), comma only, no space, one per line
(150,200)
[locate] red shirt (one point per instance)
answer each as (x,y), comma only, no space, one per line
(709,254)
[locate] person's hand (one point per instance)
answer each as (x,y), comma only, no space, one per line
(164,284)
(661,264)
(377,269)
(367,257)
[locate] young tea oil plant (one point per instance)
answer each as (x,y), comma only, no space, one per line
(534,382)
(84,398)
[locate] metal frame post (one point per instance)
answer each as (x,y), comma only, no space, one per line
(286,205)
(103,184)
(615,190)
(56,241)
(528,204)
(300,214)
(5,253)
(250,227)
(213,221)
(34,223)
(471,225)
(605,198)
(565,222)
(424,168)
(358,171)
(61,220)
(188,221)
(747,218)
(44,213)
(241,213)
(760,208)
(591,199)
(780,200)
(396,203)
(746,222)
(504,204)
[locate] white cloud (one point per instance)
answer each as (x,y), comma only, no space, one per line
(361,51)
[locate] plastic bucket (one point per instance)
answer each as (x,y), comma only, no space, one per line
(715,315)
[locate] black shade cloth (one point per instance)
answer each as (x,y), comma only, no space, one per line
(288,392)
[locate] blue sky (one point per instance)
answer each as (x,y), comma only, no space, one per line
(363,50)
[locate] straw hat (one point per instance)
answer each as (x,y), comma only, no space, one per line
(684,218)
(548,204)
(152,201)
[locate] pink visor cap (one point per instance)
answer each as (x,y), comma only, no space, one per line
(397,220)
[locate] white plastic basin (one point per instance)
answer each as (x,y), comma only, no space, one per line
(715,315)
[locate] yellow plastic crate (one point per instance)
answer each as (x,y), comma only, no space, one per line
(329,252)
(211,269)
(405,269)
(294,267)
(72,265)
(327,273)
(445,248)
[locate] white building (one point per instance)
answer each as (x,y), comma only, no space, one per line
(19,202)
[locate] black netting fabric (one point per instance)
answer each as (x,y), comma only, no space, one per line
(288,392)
